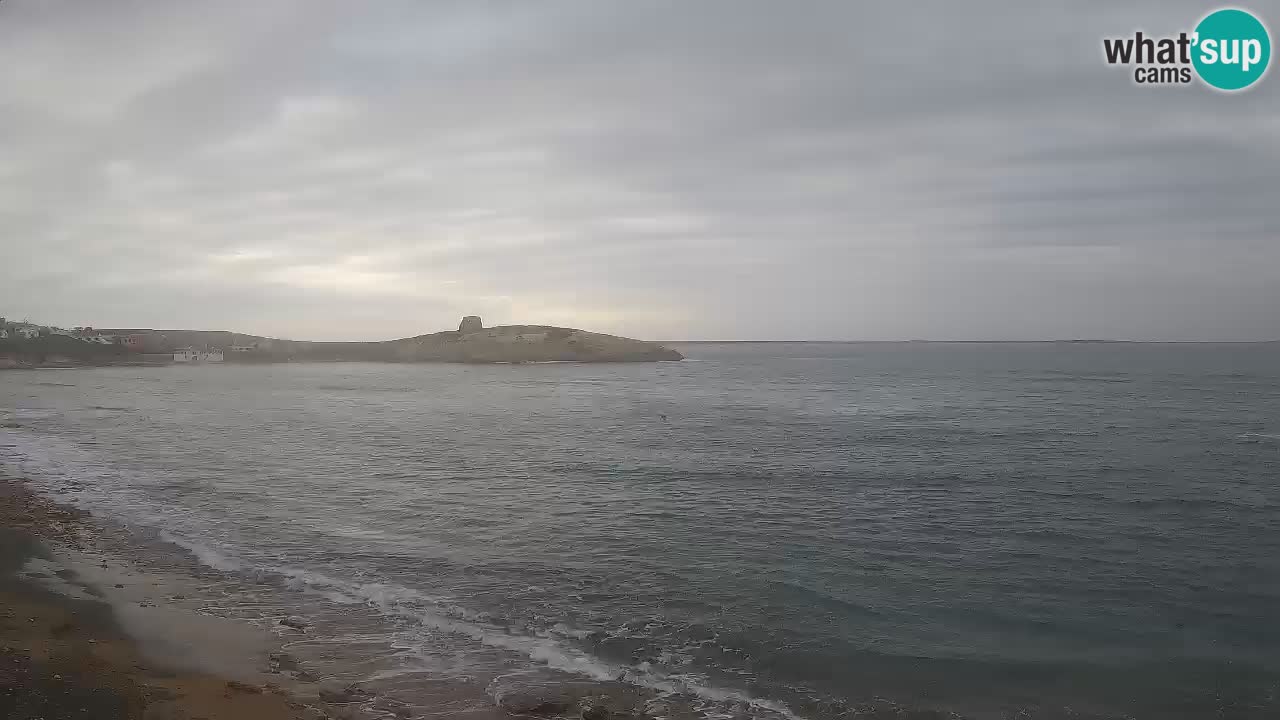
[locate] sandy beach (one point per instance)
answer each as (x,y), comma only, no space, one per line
(83,635)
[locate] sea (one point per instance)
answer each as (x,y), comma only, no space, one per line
(764,530)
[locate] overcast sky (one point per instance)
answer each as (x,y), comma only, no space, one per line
(735,170)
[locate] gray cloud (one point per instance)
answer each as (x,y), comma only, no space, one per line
(824,170)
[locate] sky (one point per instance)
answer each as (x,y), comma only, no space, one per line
(666,170)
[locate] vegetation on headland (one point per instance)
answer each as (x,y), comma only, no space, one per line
(471,343)
(58,350)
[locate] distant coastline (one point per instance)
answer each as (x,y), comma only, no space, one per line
(25,345)
(969,342)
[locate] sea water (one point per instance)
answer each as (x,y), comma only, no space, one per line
(786,530)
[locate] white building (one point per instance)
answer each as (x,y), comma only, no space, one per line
(89,335)
(191,355)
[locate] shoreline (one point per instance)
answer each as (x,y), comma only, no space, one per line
(89,618)
(84,623)
(59,365)
(74,644)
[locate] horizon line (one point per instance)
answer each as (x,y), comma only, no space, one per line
(1059,341)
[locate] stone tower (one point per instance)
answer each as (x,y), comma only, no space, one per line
(470,324)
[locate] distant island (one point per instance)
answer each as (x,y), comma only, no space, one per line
(28,345)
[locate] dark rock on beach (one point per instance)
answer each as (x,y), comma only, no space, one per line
(294,622)
(339,694)
(594,708)
(536,700)
(571,698)
(283,661)
(395,707)
(588,700)
(243,687)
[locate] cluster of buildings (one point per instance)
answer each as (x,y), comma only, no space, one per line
(153,345)
(191,355)
(19,330)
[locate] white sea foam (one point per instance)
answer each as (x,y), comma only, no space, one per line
(440,614)
(70,474)
(1258,437)
(215,558)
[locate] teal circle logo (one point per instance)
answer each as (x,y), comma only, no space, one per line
(1232,49)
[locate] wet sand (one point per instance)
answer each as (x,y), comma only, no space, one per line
(90,629)
(75,645)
